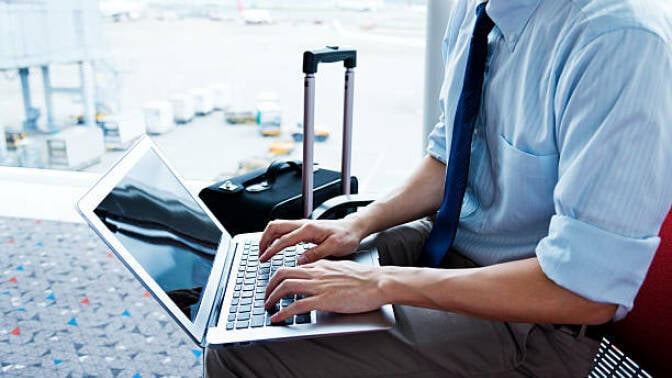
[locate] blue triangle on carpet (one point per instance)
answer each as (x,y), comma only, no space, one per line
(73,322)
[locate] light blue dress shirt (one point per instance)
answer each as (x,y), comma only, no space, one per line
(572,152)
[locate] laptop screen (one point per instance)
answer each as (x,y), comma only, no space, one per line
(158,221)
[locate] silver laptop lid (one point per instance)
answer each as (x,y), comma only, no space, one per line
(163,234)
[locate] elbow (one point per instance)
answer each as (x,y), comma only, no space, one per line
(599,313)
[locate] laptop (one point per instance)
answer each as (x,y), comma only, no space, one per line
(211,284)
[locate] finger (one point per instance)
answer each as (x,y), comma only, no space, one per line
(285,274)
(274,230)
(314,254)
(298,307)
(286,287)
(305,233)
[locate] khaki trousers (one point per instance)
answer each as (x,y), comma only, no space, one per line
(424,342)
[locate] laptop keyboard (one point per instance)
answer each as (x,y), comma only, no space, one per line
(247,306)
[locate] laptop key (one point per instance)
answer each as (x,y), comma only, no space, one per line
(258,321)
(259,296)
(303,318)
(286,302)
(258,311)
(234,301)
(243,316)
(258,304)
(231,317)
(244,308)
(247,294)
(236,294)
(287,321)
(233,309)
(229,326)
(246,301)
(242,325)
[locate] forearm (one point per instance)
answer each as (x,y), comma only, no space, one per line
(420,196)
(516,291)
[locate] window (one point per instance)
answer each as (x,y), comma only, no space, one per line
(161,62)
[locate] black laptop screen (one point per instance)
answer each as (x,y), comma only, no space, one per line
(161,225)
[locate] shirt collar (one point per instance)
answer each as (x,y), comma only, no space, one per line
(511,16)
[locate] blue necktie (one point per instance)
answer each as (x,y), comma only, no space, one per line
(443,233)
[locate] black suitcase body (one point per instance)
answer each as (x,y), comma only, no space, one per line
(246,203)
(289,189)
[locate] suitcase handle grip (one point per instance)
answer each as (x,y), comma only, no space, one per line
(329,54)
(279,165)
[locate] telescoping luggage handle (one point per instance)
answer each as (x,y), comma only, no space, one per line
(311,59)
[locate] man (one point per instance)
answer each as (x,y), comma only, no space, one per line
(560,191)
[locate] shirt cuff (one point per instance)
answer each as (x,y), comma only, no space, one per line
(436,144)
(594,263)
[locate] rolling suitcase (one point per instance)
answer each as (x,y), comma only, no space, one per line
(288,189)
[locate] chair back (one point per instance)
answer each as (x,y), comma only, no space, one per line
(646,333)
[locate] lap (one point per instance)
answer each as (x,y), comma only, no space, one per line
(423,343)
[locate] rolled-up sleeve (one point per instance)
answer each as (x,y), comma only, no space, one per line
(436,144)
(437,140)
(613,115)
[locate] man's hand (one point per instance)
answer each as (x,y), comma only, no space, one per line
(327,284)
(332,238)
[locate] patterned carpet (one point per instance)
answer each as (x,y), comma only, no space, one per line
(70,309)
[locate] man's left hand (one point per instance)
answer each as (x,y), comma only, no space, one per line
(336,286)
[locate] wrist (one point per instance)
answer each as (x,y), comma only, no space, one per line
(358,225)
(386,284)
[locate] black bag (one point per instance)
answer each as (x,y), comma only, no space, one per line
(289,189)
(246,203)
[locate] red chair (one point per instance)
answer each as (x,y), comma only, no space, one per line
(645,335)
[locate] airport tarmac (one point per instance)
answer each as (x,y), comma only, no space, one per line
(157,59)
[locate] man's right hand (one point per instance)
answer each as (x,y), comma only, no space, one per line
(332,238)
